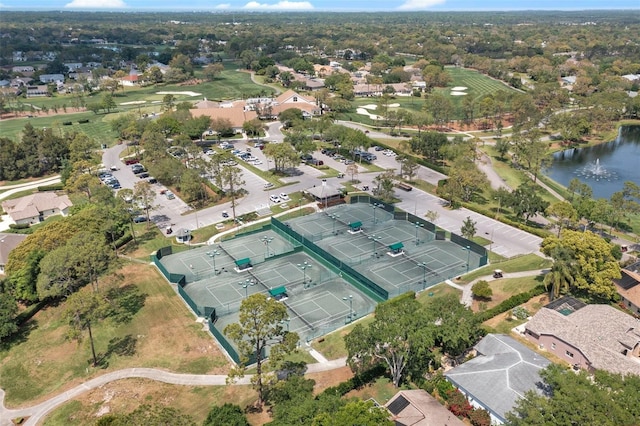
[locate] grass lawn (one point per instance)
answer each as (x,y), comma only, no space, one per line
(438,290)
(148,241)
(41,362)
(504,288)
(382,390)
(527,262)
(332,345)
(126,395)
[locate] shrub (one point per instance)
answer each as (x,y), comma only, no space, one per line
(86,120)
(481,290)
(66,123)
(458,404)
(511,303)
(479,417)
(19,226)
(52,187)
(520,312)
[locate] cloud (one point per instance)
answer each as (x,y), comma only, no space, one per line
(95,4)
(419,4)
(281,5)
(223,6)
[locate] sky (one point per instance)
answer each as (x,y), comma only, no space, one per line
(317,5)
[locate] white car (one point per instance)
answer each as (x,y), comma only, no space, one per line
(256,162)
(284,197)
(274,198)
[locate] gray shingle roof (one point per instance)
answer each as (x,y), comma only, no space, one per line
(503,372)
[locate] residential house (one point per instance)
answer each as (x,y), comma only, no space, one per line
(23,69)
(628,287)
(19,56)
(418,408)
(73,66)
(500,374)
(7,243)
(133,79)
(292,99)
(36,207)
(37,91)
(52,78)
(594,337)
(312,84)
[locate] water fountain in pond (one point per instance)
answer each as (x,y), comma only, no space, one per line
(596,172)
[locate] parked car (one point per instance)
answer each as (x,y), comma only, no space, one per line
(143,175)
(268,185)
(284,196)
(113,168)
(152,180)
(274,198)
(210,152)
(140,219)
(170,195)
(348,161)
(225,214)
(378,148)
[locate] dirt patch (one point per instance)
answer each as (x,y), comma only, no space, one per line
(533,305)
(326,379)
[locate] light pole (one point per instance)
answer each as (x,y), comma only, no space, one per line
(246,284)
(375,206)
(499,205)
(335,219)
(350,299)
(418,225)
(266,240)
(374,239)
(304,266)
(468,253)
(423,265)
(212,254)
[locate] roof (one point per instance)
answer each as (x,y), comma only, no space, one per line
(566,305)
(628,286)
(287,97)
(418,408)
(356,224)
(600,332)
(236,115)
(277,291)
(31,205)
(7,243)
(204,104)
(243,261)
(502,372)
(396,246)
(324,191)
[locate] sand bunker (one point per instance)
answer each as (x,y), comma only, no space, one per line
(394,105)
(180,93)
(363,111)
(459,89)
(133,103)
(370,106)
(458,94)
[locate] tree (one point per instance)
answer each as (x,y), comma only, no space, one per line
(593,267)
(290,117)
(282,154)
(482,290)
(409,167)
(226,414)
(384,185)
(352,170)
(357,412)
(81,309)
(571,397)
(8,312)
(211,71)
(393,338)
(560,278)
(564,212)
(231,176)
(259,328)
(147,415)
(432,216)
(465,180)
(468,229)
(108,103)
(144,194)
(222,127)
(526,202)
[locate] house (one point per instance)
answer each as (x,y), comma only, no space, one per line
(7,243)
(500,374)
(237,115)
(36,91)
(312,84)
(73,66)
(36,207)
(292,99)
(628,287)
(326,194)
(418,408)
(19,56)
(133,79)
(594,337)
(22,69)
(51,78)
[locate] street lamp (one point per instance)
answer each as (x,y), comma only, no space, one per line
(499,205)
(423,265)
(350,299)
(266,240)
(375,206)
(304,266)
(418,225)
(468,253)
(335,219)
(246,284)
(212,255)
(374,239)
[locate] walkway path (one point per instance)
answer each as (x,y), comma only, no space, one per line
(467,297)
(37,412)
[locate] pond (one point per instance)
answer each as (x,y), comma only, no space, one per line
(605,167)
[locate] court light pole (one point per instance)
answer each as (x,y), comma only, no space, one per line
(468,253)
(246,284)
(212,254)
(375,207)
(374,239)
(266,240)
(350,299)
(304,266)
(418,225)
(423,265)
(335,219)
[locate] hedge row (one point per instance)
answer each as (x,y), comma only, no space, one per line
(18,225)
(52,187)
(542,233)
(511,303)
(357,381)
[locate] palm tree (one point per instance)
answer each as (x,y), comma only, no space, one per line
(560,278)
